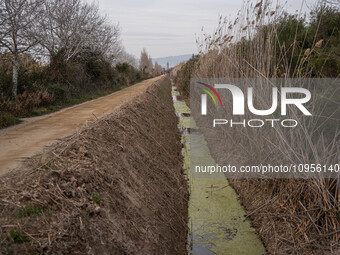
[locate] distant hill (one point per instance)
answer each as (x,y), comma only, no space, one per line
(173,60)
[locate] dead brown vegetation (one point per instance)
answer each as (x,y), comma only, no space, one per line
(292,216)
(115,187)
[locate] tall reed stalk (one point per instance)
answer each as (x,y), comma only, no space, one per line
(293,216)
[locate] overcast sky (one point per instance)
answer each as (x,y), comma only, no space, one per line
(168,27)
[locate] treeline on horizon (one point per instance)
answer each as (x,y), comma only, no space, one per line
(56,53)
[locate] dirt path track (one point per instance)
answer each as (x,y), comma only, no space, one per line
(29,138)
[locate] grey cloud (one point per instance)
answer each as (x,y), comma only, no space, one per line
(152,24)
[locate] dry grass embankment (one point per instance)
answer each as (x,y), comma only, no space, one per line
(115,187)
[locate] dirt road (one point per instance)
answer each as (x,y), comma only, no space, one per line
(29,138)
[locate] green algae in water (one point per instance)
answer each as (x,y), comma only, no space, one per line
(184,122)
(175,93)
(216,218)
(181,107)
(216,215)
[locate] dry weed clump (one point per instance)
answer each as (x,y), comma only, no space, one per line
(25,102)
(115,187)
(292,216)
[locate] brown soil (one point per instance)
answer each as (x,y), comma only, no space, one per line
(115,187)
(29,138)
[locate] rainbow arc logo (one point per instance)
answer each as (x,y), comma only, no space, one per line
(209,93)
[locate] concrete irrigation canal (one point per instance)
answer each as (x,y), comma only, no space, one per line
(217,223)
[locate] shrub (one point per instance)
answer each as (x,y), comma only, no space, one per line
(60,92)
(24,103)
(123,67)
(7,119)
(5,82)
(138,75)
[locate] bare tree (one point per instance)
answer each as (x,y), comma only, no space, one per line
(336,3)
(70,27)
(145,64)
(16,30)
(150,65)
(157,69)
(125,57)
